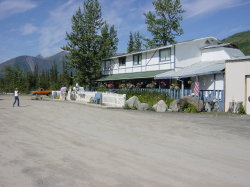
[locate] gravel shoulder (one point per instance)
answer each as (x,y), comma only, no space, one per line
(61,144)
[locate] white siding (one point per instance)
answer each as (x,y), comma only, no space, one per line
(213,54)
(236,73)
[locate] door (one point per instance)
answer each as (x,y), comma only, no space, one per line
(248,94)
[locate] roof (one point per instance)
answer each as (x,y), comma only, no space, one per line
(238,58)
(202,68)
(127,76)
(220,45)
(158,48)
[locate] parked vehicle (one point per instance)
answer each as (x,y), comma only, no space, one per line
(41,91)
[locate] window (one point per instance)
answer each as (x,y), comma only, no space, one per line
(122,61)
(107,64)
(137,59)
(165,54)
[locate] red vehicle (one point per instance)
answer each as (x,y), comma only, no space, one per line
(41,91)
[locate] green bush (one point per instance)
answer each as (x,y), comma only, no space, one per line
(241,110)
(190,109)
(168,101)
(102,89)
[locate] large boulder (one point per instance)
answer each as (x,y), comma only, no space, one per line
(198,104)
(174,106)
(160,106)
(143,106)
(133,102)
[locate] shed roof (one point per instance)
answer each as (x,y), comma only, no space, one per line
(202,68)
(128,76)
(238,59)
(220,45)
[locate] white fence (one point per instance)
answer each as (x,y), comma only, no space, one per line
(108,99)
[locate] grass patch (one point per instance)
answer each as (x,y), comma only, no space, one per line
(149,97)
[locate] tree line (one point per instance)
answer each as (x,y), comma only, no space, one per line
(13,77)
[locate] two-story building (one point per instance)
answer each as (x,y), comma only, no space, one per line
(203,58)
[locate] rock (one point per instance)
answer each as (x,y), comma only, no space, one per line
(143,106)
(194,101)
(160,106)
(208,107)
(133,102)
(174,106)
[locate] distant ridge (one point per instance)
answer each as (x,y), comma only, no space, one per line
(242,40)
(27,63)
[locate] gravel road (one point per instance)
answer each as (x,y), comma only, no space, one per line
(61,144)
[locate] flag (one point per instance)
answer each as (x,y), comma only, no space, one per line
(196,87)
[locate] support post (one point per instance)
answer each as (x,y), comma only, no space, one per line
(182,88)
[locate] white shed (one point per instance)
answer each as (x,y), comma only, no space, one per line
(237,82)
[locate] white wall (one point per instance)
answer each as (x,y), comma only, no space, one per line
(220,53)
(188,53)
(212,54)
(235,81)
(108,99)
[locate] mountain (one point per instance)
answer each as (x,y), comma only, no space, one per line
(27,63)
(242,40)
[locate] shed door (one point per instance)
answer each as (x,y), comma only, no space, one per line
(248,94)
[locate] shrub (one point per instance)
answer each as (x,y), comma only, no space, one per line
(241,110)
(149,97)
(190,109)
(168,101)
(102,88)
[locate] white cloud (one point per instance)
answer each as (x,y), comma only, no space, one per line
(28,29)
(11,7)
(53,32)
(201,7)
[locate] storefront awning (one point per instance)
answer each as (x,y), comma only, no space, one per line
(128,76)
(198,69)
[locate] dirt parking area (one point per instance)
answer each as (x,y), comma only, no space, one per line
(61,144)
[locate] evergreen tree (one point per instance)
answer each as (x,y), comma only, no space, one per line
(84,42)
(109,41)
(164,23)
(137,41)
(131,43)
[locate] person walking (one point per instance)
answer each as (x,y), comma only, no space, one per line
(16,94)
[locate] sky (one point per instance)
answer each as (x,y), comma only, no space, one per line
(33,27)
